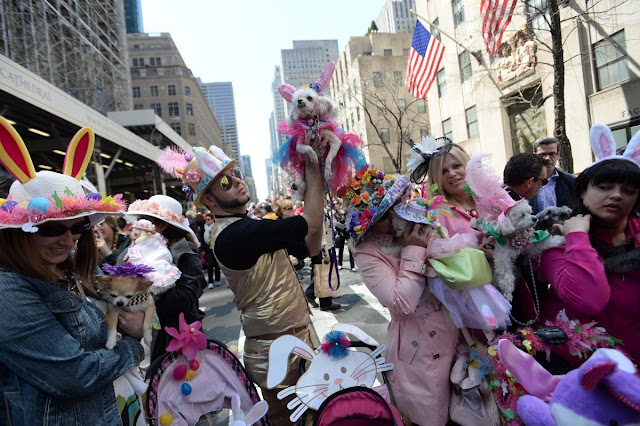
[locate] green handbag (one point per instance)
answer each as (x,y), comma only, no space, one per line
(466,269)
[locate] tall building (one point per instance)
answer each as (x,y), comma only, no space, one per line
(247,171)
(276,181)
(219,97)
(161,81)
(80,47)
(369,85)
(395,17)
(133,16)
(504,109)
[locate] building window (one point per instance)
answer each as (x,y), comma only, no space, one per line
(436,31)
(176,127)
(472,121)
(458,11)
(189,108)
(135,62)
(187,90)
(405,52)
(171,89)
(398,80)
(191,128)
(157,109)
(358,113)
(424,132)
(155,61)
(446,128)
(537,15)
(174,110)
(384,135)
(442,83)
(152,71)
(136,91)
(381,107)
(138,106)
(403,136)
(388,52)
(611,60)
(154,90)
(402,105)
(135,73)
(464,59)
(378,79)
(422,106)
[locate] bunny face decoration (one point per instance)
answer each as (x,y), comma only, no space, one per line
(328,372)
(44,196)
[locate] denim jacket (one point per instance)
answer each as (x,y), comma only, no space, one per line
(54,368)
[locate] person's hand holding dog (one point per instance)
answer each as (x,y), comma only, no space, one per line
(578,223)
(416,234)
(131,323)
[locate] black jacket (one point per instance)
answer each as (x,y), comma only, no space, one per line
(565,195)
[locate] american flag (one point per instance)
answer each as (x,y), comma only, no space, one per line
(496,15)
(424,59)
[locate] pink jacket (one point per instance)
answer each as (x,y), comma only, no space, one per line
(580,285)
(421,338)
(459,224)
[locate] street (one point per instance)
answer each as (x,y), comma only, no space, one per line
(359,308)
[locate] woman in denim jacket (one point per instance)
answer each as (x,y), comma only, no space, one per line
(54,368)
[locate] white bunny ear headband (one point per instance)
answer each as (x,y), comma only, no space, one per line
(604,146)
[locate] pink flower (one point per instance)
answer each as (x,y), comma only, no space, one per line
(189,339)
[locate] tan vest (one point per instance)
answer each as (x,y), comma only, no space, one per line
(269,295)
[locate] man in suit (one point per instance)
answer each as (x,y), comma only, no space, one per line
(559,190)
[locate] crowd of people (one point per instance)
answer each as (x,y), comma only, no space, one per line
(56,238)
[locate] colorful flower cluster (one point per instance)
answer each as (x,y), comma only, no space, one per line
(364,195)
(128,269)
(145,206)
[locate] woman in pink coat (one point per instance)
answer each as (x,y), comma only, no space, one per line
(596,275)
(421,338)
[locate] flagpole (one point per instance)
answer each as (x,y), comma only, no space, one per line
(481,63)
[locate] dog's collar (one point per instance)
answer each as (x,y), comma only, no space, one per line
(138,299)
(519,238)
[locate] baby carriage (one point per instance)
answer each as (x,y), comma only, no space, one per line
(182,392)
(356,406)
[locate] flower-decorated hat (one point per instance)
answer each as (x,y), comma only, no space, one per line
(370,194)
(424,210)
(144,224)
(45,196)
(196,169)
(161,207)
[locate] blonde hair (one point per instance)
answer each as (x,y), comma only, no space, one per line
(282,204)
(434,175)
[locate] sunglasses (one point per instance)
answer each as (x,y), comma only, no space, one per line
(544,181)
(57,229)
(226,181)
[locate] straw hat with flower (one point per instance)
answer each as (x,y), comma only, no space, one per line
(369,196)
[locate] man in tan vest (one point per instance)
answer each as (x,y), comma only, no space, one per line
(253,254)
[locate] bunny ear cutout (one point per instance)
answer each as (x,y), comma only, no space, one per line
(79,153)
(207,162)
(257,412)
(531,375)
(279,353)
(633,149)
(356,332)
(325,76)
(602,142)
(14,154)
(287,91)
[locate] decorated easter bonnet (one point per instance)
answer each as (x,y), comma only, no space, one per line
(604,145)
(161,207)
(196,169)
(370,194)
(144,225)
(424,209)
(44,196)
(423,152)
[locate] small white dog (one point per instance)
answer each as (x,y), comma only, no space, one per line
(514,230)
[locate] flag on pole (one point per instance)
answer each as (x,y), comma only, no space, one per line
(496,15)
(424,59)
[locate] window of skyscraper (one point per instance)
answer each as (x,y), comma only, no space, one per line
(422,106)
(153,90)
(136,91)
(189,108)
(191,129)
(157,109)
(176,127)
(171,89)
(378,79)
(388,52)
(174,110)
(187,90)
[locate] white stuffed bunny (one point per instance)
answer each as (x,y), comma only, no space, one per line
(257,412)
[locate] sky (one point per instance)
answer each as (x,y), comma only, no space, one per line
(240,41)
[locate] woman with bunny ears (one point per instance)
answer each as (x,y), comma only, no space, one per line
(591,276)
(54,366)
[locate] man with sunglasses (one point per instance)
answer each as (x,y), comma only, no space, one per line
(524,175)
(254,256)
(559,190)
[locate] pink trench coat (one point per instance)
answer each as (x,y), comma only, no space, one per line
(421,337)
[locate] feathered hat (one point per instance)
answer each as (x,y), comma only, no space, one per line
(44,196)
(196,169)
(422,153)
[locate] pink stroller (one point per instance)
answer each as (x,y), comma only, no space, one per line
(356,406)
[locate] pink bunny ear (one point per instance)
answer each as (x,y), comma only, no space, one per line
(257,412)
(325,76)
(602,142)
(14,154)
(531,375)
(595,374)
(78,153)
(286,91)
(633,149)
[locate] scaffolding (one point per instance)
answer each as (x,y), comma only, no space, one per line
(78,46)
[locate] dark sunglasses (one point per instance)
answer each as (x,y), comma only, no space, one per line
(544,181)
(226,181)
(57,229)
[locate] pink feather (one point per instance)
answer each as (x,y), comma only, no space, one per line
(490,197)
(172,159)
